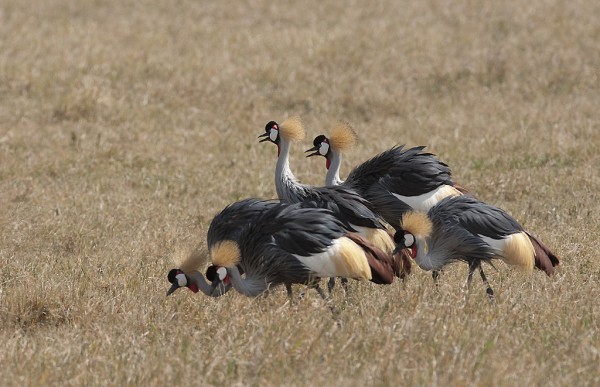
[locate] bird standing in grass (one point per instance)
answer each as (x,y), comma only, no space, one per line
(292,244)
(344,202)
(462,228)
(394,182)
(419,179)
(226,225)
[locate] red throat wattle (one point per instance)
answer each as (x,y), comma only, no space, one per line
(226,281)
(193,288)
(327,163)
(278,150)
(413,251)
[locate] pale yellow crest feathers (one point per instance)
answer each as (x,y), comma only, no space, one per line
(226,254)
(190,260)
(417,223)
(292,129)
(343,137)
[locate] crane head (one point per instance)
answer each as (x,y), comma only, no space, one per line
(217,274)
(219,278)
(405,240)
(289,130)
(271,132)
(320,148)
(179,279)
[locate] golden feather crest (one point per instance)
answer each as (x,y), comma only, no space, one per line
(225,254)
(343,137)
(292,129)
(417,223)
(190,260)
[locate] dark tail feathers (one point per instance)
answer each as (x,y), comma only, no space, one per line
(545,259)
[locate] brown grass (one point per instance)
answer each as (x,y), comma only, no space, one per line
(125,126)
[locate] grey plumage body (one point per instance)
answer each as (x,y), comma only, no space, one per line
(409,172)
(395,181)
(466,229)
(345,202)
(286,245)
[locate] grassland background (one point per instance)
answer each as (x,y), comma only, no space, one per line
(126,125)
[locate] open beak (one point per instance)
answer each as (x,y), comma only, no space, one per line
(314,149)
(266,137)
(174,287)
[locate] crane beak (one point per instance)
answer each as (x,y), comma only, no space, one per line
(397,250)
(266,137)
(174,287)
(314,149)
(214,287)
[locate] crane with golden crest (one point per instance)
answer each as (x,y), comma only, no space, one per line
(417,179)
(462,228)
(349,206)
(280,243)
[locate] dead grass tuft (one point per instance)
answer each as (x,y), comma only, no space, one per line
(126,126)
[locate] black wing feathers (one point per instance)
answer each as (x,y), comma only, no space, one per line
(228,223)
(406,172)
(476,216)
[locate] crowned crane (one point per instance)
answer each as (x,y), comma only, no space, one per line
(346,203)
(419,179)
(226,225)
(462,228)
(416,180)
(295,244)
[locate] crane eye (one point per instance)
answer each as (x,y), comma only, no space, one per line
(181,280)
(409,239)
(324,148)
(222,273)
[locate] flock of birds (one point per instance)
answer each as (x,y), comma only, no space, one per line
(398,207)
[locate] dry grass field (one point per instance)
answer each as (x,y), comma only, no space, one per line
(126,125)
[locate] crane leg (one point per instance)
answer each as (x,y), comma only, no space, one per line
(288,288)
(435,275)
(320,291)
(488,290)
(345,285)
(326,299)
(331,284)
(472,266)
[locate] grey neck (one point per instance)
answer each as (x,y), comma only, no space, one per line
(245,286)
(333,173)
(198,279)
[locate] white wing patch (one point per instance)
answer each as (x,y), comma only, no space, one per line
(342,259)
(427,200)
(515,249)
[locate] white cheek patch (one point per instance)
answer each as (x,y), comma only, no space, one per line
(323,149)
(409,240)
(273,134)
(181,280)
(222,272)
